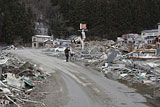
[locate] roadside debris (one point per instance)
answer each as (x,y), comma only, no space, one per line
(17,80)
(118,61)
(134,72)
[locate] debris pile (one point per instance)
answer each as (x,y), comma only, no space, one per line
(93,55)
(89,57)
(118,67)
(134,72)
(17,80)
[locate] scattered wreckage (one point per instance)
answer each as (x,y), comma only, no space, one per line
(141,72)
(118,65)
(17,80)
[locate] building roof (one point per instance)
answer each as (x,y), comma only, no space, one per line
(48,40)
(62,40)
(42,36)
(131,34)
(149,31)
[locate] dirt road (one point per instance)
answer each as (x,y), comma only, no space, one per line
(76,86)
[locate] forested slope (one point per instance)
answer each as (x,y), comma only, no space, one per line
(104,18)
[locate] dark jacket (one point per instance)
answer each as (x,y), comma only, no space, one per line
(66,51)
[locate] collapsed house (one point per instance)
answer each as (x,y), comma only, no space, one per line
(38,41)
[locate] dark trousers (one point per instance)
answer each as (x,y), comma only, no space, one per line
(67,56)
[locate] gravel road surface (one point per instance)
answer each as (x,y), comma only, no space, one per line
(73,85)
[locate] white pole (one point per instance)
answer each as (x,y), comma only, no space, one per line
(83,38)
(82,45)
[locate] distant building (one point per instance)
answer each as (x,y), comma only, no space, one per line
(158,42)
(130,41)
(158,39)
(38,41)
(150,36)
(130,38)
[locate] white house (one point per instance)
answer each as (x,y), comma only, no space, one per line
(149,36)
(38,41)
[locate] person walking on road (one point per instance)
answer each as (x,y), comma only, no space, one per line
(66,51)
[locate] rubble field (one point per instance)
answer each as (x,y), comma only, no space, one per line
(18,79)
(118,92)
(113,63)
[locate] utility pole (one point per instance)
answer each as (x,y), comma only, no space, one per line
(83,38)
(83,28)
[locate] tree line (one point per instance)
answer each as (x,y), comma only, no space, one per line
(16,22)
(109,18)
(105,19)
